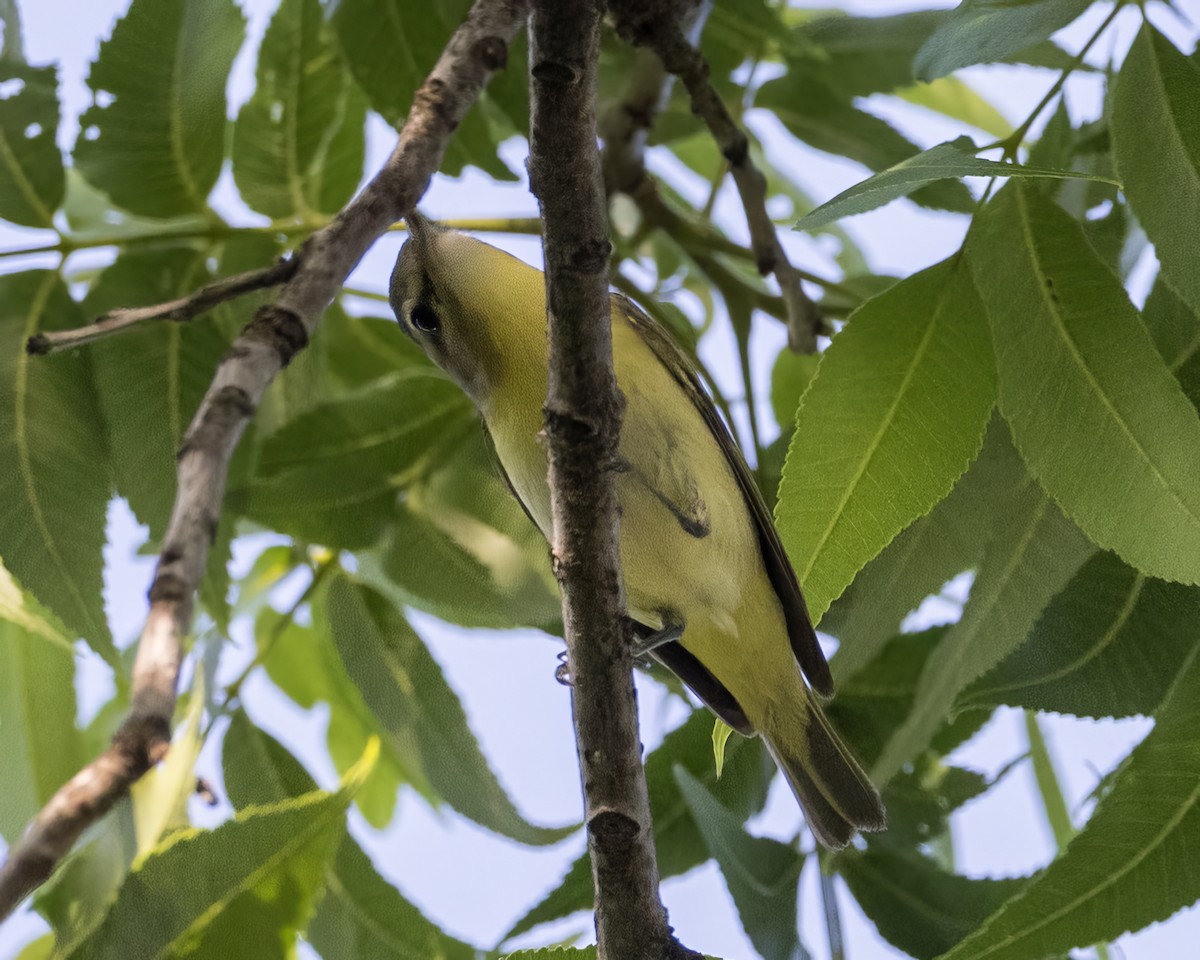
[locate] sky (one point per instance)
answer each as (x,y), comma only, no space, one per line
(469,881)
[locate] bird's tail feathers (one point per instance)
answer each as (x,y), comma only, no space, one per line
(834,792)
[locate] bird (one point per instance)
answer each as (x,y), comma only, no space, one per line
(710,590)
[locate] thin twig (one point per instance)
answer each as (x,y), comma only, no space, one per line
(180,310)
(656,25)
(583,411)
(264,347)
(833,913)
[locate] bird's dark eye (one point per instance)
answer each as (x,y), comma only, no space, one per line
(425,318)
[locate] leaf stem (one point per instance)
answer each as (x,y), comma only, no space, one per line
(833,914)
(322,568)
(1012,142)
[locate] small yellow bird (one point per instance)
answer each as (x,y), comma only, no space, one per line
(708,583)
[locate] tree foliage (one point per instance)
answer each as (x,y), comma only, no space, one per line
(1020,410)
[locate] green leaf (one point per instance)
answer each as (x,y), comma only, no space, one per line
(895,414)
(1156,145)
(720,737)
(553,953)
(404,687)
(56,485)
(155,138)
(955,158)
(462,549)
(1093,409)
(1029,560)
(298,141)
(361,916)
(953,98)
(151,380)
(303,663)
(331,475)
(390,47)
(38,740)
(762,874)
(1176,332)
(930,551)
(243,890)
(741,788)
(915,904)
(1124,870)
(825,119)
(1109,645)
(984,31)
(33,183)
(790,377)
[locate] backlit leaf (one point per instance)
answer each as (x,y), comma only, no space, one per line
(983,31)
(32,183)
(56,482)
(154,140)
(1092,406)
(1156,145)
(896,412)
(1109,645)
(1129,866)
(298,142)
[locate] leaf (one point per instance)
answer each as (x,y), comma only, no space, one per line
(361,916)
(405,689)
(303,663)
(1124,870)
(33,183)
(1029,560)
(57,484)
(1176,332)
(916,905)
(160,797)
(930,551)
(895,414)
(245,889)
(298,141)
(955,158)
(1093,409)
(762,874)
(1109,645)
(553,953)
(984,31)
(462,549)
(1156,145)
(331,475)
(742,788)
(390,47)
(38,740)
(720,737)
(154,140)
(151,380)
(790,377)
(822,117)
(955,99)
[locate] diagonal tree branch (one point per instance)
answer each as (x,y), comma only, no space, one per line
(658,26)
(180,310)
(583,421)
(264,347)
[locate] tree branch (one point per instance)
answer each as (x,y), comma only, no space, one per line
(180,310)
(657,25)
(583,421)
(265,346)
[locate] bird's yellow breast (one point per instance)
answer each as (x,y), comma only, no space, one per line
(689,546)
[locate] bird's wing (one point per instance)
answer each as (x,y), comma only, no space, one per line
(779,569)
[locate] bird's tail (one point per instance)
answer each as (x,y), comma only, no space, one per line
(832,789)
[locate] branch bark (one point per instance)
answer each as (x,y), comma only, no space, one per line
(264,347)
(179,310)
(658,26)
(583,420)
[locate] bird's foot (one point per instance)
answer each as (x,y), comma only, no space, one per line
(646,641)
(562,673)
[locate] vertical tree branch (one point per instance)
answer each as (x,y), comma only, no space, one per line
(583,421)
(263,348)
